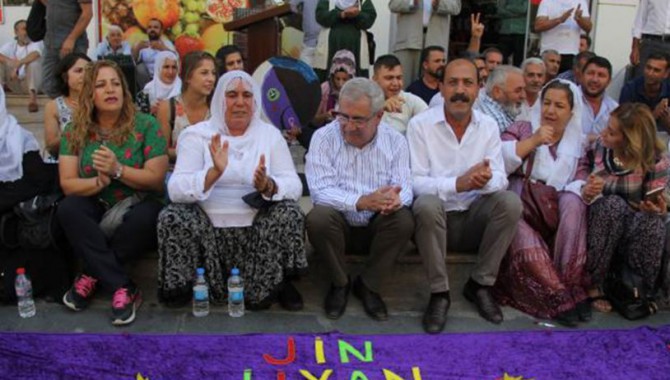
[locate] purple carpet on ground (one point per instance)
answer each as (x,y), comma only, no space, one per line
(642,353)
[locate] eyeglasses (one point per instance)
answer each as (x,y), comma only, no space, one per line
(354,120)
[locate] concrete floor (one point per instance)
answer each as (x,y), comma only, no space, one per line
(406,294)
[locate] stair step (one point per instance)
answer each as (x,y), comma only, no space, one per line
(23,100)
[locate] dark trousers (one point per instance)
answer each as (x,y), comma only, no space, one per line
(385,235)
(566,62)
(512,44)
(104,259)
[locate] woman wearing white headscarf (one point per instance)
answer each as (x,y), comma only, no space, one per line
(22,172)
(220,161)
(165,84)
(545,276)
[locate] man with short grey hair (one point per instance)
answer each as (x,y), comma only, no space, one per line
(534,74)
(552,60)
(358,174)
(504,95)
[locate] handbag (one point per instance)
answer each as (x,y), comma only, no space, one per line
(36,24)
(540,204)
(36,226)
(113,217)
(628,293)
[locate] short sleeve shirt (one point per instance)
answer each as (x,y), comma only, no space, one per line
(146,142)
(62,16)
(563,38)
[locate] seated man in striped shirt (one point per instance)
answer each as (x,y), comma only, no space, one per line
(358,174)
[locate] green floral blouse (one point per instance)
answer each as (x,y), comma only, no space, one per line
(145,143)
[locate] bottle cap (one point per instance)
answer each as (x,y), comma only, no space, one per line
(20,270)
(235,272)
(200,271)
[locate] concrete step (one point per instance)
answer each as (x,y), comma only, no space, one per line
(23,100)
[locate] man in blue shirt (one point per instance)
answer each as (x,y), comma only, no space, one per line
(652,89)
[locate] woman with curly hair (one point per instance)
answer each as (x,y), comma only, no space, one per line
(112,164)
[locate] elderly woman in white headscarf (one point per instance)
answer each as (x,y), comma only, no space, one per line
(165,84)
(544,273)
(234,190)
(22,172)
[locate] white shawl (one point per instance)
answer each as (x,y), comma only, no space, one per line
(14,142)
(157,89)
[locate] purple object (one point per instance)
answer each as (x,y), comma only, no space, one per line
(641,353)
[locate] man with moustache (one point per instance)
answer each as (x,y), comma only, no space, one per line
(460,180)
(534,74)
(504,95)
(358,173)
(144,52)
(596,76)
(400,106)
(433,60)
(552,60)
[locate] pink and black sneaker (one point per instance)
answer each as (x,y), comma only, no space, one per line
(125,302)
(81,291)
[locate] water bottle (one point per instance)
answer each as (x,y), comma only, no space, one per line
(235,294)
(24,293)
(200,295)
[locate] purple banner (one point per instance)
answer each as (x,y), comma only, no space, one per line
(642,353)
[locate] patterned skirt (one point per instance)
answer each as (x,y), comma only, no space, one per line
(265,253)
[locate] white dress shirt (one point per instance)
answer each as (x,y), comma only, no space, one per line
(223,201)
(339,174)
(413,106)
(438,158)
(13,50)
(563,38)
(524,115)
(653,17)
(596,123)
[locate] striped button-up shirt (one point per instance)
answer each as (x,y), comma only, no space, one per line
(486,105)
(338,173)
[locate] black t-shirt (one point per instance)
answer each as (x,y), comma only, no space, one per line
(420,89)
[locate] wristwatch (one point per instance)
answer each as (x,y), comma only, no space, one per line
(119,172)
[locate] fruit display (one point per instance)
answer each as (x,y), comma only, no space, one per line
(190,24)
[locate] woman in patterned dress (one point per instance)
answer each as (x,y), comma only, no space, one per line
(112,165)
(233,155)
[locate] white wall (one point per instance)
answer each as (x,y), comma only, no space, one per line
(612,36)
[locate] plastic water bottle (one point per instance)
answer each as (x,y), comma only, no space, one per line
(24,293)
(200,295)
(235,294)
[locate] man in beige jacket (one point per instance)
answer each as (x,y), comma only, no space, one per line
(421,23)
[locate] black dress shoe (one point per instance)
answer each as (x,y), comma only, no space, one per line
(567,318)
(435,316)
(336,300)
(289,297)
(481,296)
(584,311)
(372,303)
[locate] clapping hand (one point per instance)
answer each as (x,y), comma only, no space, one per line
(578,13)
(260,175)
(104,161)
(219,153)
(476,27)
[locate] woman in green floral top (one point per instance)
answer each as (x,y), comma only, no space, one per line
(112,164)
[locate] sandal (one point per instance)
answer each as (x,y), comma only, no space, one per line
(601,304)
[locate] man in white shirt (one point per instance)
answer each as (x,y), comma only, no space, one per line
(596,76)
(358,173)
(459,178)
(534,74)
(504,96)
(421,23)
(144,52)
(113,44)
(651,31)
(400,106)
(21,66)
(560,23)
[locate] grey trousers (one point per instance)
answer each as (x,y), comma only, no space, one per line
(487,227)
(411,65)
(331,235)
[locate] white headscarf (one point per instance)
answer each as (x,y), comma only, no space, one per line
(14,142)
(218,105)
(558,173)
(156,89)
